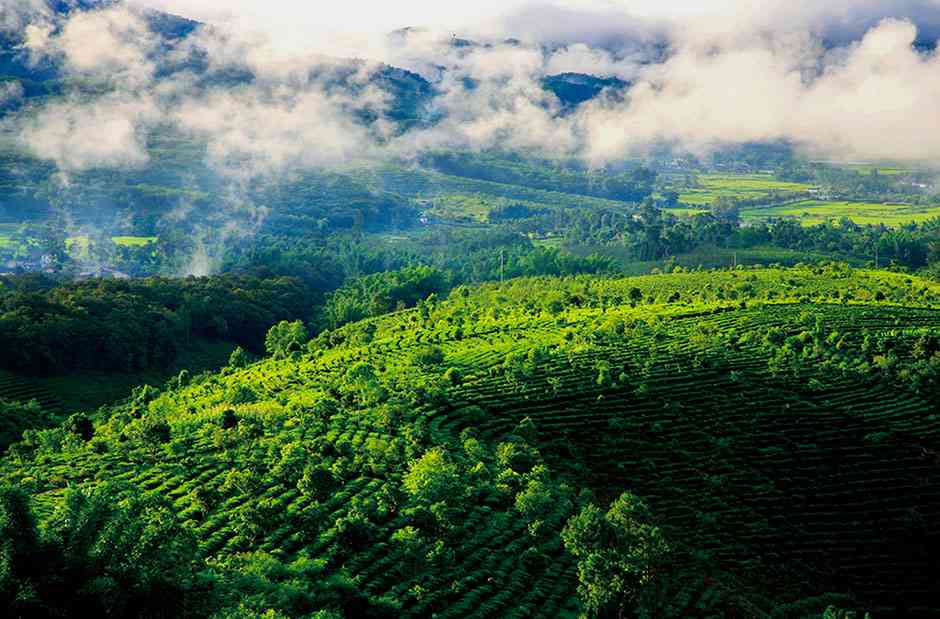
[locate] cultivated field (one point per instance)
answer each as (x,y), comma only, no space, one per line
(780,423)
(812,212)
(749,186)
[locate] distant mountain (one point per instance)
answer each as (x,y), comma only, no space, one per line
(42,78)
(573,89)
(410,95)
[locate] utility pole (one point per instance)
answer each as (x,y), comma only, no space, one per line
(500,266)
(876,255)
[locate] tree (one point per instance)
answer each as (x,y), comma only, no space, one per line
(19,551)
(429,356)
(536,500)
(239,358)
(670,198)
(291,466)
(354,531)
(101,553)
(285,338)
(433,478)
(618,552)
(154,433)
(18,417)
(317,481)
(81,426)
(635,296)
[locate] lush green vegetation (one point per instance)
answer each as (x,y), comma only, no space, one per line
(126,326)
(708,443)
(513,169)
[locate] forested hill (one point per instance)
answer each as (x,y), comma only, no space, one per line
(734,443)
(49,327)
(178,193)
(40,78)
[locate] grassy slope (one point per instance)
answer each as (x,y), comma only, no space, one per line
(770,485)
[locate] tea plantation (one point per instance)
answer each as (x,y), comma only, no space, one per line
(749,443)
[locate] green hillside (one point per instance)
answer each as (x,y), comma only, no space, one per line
(735,443)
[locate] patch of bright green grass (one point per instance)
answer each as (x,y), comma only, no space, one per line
(749,183)
(134,241)
(554,242)
(78,246)
(685,212)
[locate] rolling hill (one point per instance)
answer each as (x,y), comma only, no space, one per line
(766,440)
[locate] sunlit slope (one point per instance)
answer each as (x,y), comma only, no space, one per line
(781,424)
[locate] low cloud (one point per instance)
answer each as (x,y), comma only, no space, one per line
(251,132)
(78,134)
(10,92)
(730,74)
(871,100)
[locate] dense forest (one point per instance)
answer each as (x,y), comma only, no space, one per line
(53,327)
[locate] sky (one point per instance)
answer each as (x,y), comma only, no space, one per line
(294,21)
(349,25)
(348,16)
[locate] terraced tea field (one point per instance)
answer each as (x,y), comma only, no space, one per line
(781,424)
(779,483)
(88,390)
(23,389)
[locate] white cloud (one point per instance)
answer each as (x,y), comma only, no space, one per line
(249,132)
(871,101)
(764,75)
(109,131)
(113,44)
(10,92)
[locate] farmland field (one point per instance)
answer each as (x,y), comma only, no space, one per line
(745,186)
(868,168)
(779,424)
(812,212)
(431,185)
(709,257)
